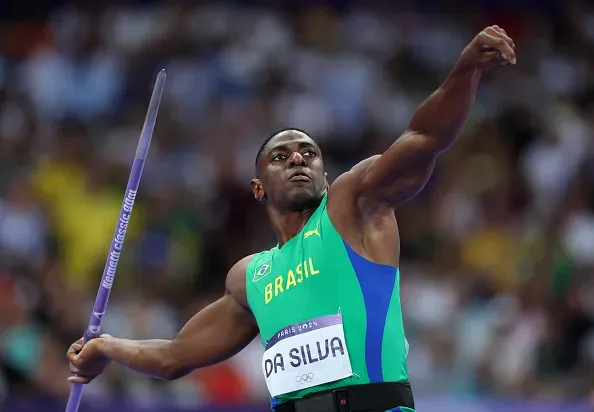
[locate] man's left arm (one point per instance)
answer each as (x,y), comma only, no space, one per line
(404,169)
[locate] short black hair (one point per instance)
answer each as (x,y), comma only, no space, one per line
(269,138)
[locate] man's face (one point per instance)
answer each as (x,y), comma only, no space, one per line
(291,172)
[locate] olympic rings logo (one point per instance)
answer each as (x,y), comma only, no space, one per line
(306,377)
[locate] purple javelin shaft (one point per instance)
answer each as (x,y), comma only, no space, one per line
(120,231)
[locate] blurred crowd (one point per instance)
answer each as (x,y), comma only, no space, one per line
(497,251)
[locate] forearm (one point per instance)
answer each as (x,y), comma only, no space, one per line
(214,334)
(149,357)
(443,115)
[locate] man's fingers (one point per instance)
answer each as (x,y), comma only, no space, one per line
(79,379)
(74,349)
(496,31)
(491,46)
(497,37)
(490,42)
(500,44)
(504,32)
(75,359)
(79,375)
(71,355)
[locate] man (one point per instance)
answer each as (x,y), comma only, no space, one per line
(325,300)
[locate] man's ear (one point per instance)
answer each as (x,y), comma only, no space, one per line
(258,190)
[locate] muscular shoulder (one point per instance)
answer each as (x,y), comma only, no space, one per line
(354,175)
(345,189)
(368,227)
(363,165)
(235,283)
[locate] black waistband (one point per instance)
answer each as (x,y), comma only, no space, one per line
(368,397)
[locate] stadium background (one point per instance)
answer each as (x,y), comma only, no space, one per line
(497,252)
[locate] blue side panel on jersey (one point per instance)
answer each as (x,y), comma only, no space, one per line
(273,402)
(377,283)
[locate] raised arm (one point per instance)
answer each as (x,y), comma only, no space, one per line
(404,169)
(214,334)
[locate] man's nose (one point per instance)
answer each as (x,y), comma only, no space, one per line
(297,159)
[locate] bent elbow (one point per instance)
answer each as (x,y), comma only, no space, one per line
(169,369)
(173,368)
(175,373)
(168,372)
(171,376)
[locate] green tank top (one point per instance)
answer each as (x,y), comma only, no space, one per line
(316,275)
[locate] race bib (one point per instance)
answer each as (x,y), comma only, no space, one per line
(306,354)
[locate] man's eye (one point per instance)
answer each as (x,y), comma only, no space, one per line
(309,153)
(279,157)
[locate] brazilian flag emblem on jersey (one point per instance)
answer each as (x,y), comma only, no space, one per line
(262,271)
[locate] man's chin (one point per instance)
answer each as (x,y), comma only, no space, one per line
(303,197)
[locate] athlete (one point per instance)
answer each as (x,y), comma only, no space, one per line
(325,301)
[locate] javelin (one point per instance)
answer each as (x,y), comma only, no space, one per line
(120,231)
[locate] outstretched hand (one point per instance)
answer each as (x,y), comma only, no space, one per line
(490,47)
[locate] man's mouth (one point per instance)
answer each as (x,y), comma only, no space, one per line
(299,177)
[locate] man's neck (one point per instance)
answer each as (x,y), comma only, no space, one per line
(287,225)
